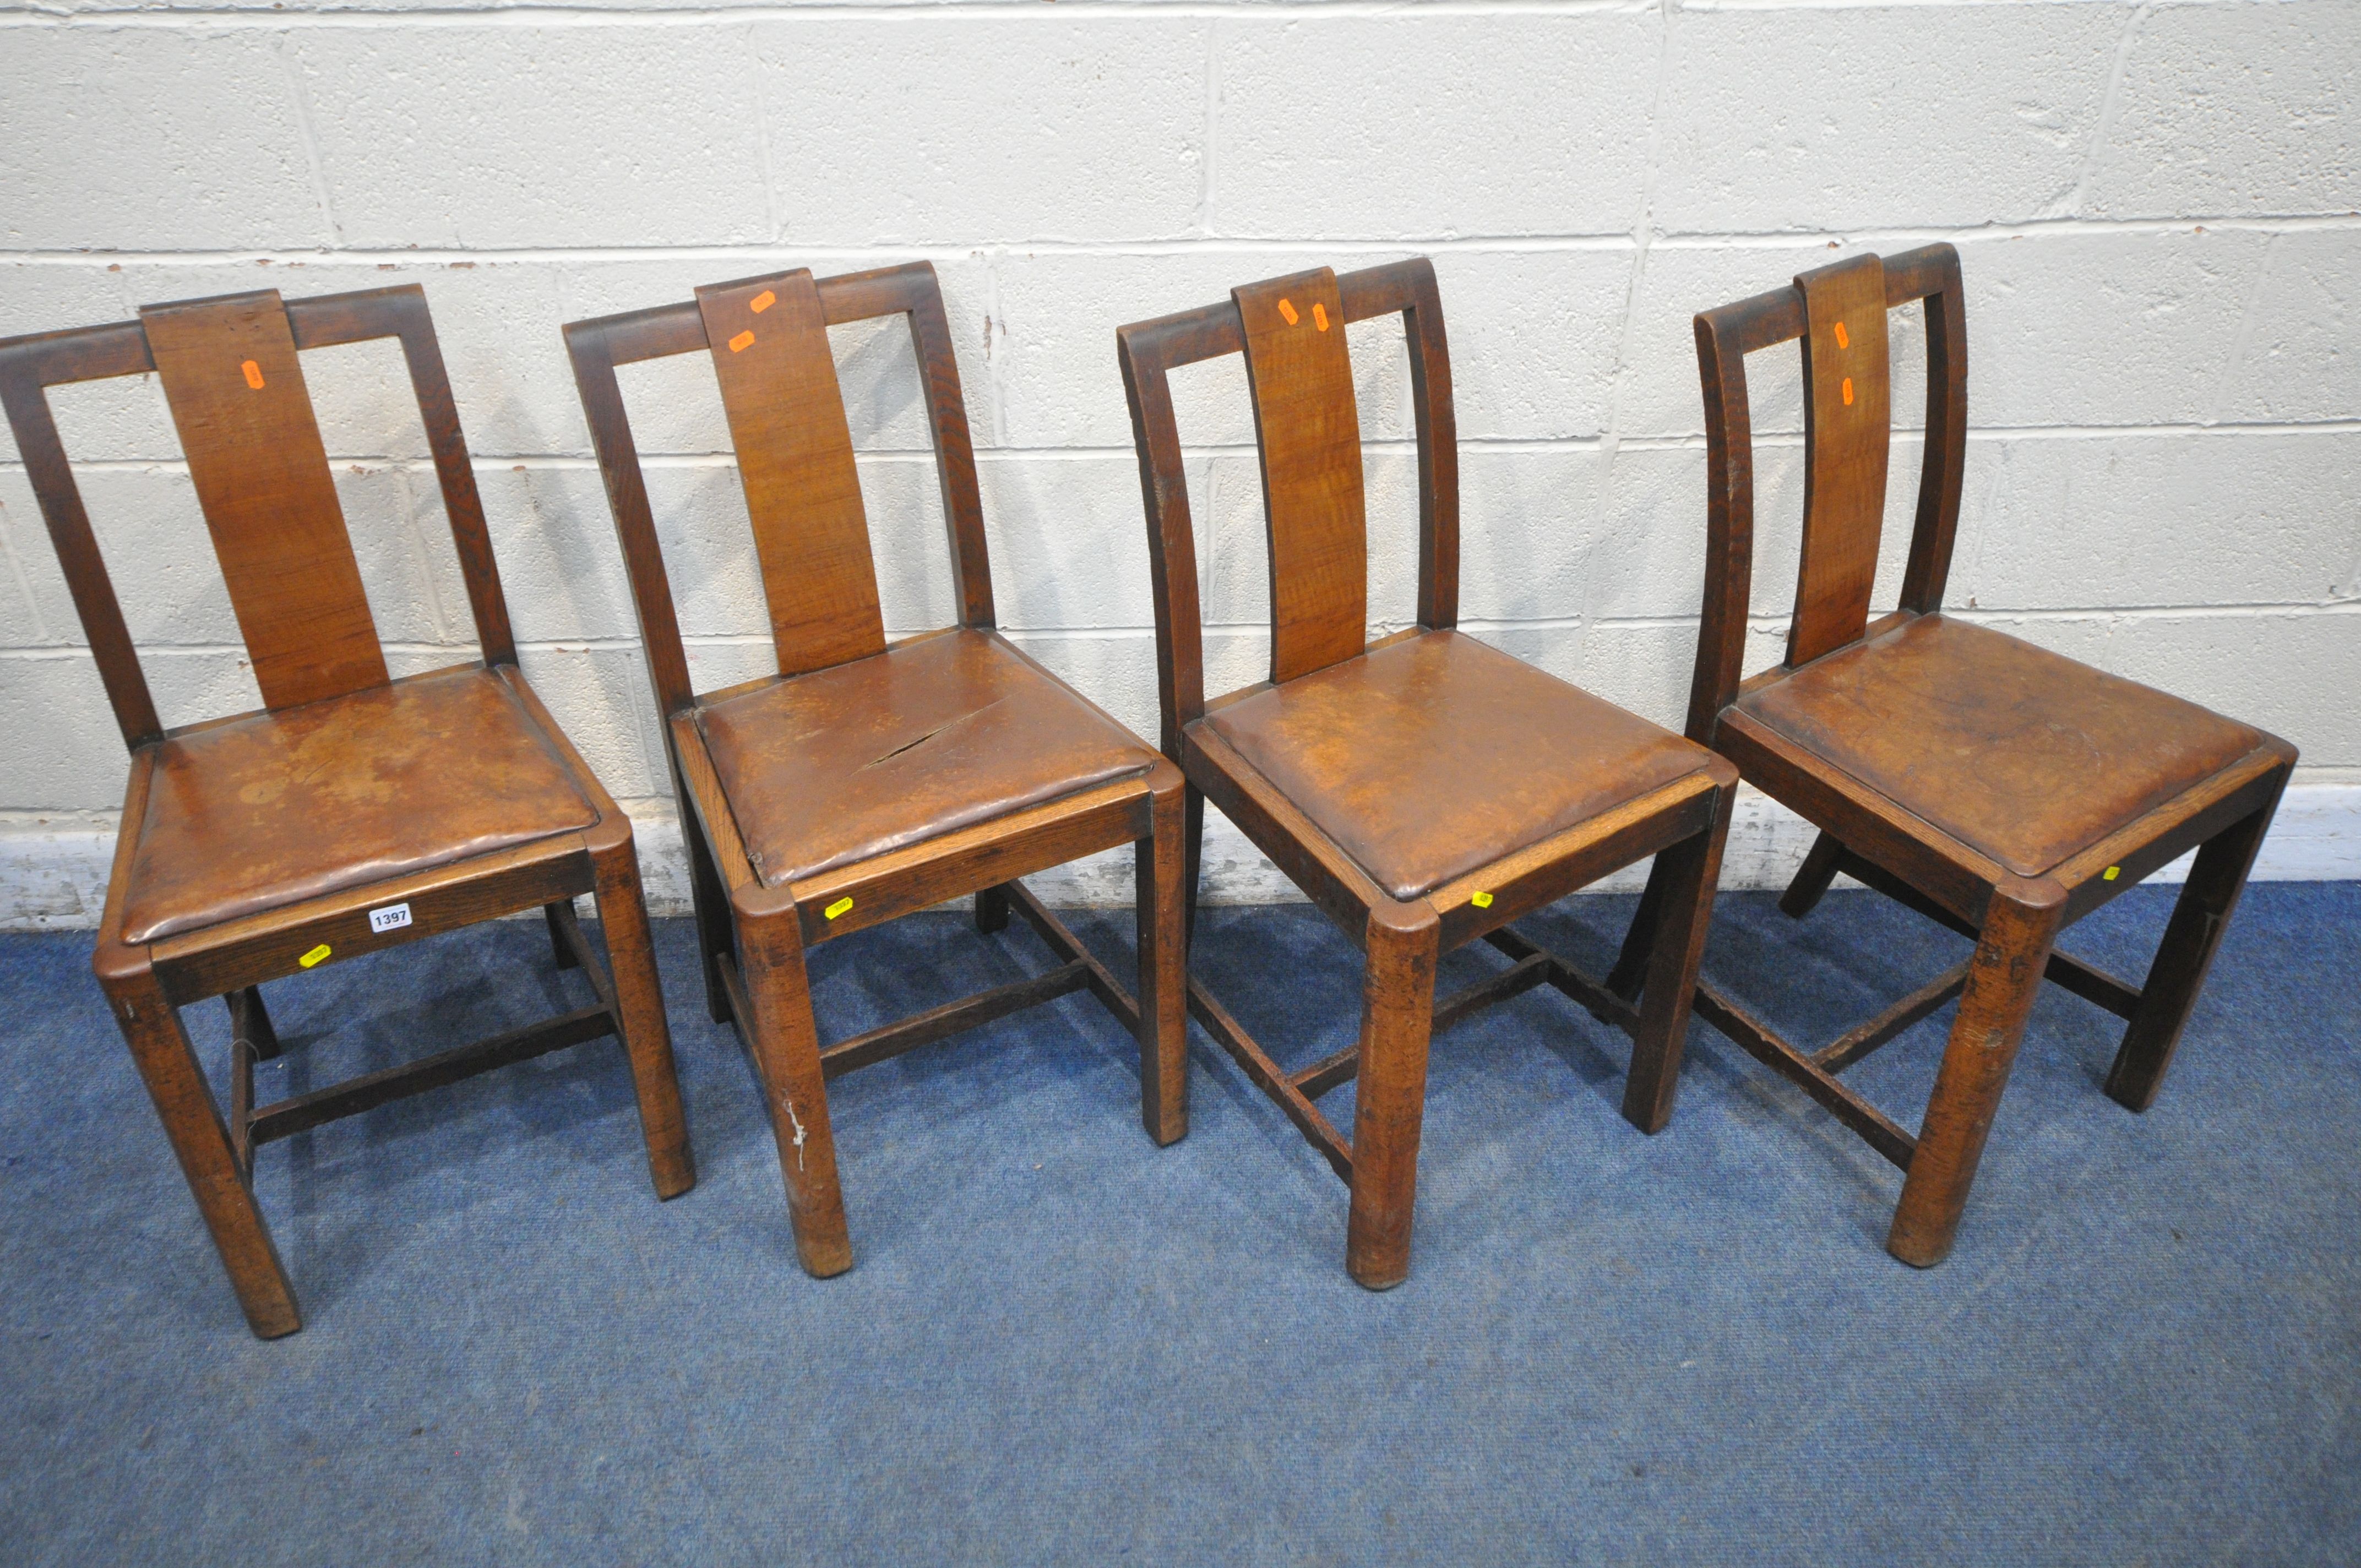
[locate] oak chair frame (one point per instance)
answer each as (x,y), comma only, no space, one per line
(147,984)
(753,938)
(2013,919)
(1683,823)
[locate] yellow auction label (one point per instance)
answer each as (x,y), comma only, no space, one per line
(318,955)
(1480,900)
(2111,873)
(839,907)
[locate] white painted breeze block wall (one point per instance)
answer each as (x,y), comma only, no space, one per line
(2158,205)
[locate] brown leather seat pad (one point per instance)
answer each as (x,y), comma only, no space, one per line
(2021,754)
(836,766)
(1430,758)
(271,809)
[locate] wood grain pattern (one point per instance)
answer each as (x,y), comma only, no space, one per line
(1308,428)
(968,782)
(1493,837)
(795,460)
(238,400)
(1847,426)
(383,790)
(2005,794)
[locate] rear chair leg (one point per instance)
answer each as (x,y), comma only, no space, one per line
(639,998)
(1396,1021)
(1812,878)
(251,1020)
(1631,970)
(2178,974)
(168,1065)
(785,1041)
(2004,977)
(1690,872)
(991,910)
(1163,977)
(557,944)
(710,900)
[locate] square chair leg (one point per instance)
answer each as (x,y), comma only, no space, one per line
(168,1065)
(2004,977)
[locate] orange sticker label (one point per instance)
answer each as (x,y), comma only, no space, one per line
(1848,392)
(745,340)
(1287,313)
(253,375)
(762,301)
(1320,315)
(1842,341)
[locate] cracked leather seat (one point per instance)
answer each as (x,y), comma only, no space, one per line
(935,734)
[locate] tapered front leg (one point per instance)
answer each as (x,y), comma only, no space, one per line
(168,1065)
(1690,871)
(785,1041)
(1163,979)
(2174,979)
(2003,978)
(1397,1020)
(639,1001)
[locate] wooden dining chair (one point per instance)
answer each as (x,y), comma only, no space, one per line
(1423,789)
(1999,789)
(866,779)
(354,811)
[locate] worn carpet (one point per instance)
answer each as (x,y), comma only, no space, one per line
(1061,1344)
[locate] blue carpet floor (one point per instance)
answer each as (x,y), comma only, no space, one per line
(1060,1345)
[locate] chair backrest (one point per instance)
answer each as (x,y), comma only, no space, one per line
(1307,429)
(768,338)
(1838,313)
(231,375)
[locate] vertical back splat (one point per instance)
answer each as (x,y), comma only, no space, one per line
(1847,429)
(238,396)
(1310,431)
(794,458)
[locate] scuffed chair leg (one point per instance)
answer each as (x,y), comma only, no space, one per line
(1163,979)
(2178,973)
(2003,978)
(785,1041)
(1397,1022)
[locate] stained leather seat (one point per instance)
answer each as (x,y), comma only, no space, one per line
(273,808)
(1436,755)
(2023,755)
(936,734)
